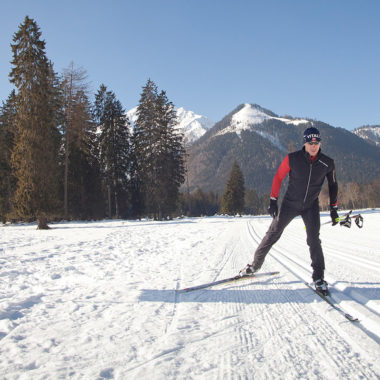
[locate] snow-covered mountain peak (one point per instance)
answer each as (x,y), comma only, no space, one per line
(249,115)
(132,115)
(370,133)
(192,125)
(252,114)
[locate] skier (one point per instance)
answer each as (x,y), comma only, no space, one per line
(307,170)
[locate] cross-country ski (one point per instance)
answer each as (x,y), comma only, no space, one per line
(228,280)
(327,298)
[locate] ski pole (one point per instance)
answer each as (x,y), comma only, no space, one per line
(345,220)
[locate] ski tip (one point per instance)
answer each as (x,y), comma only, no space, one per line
(351,318)
(182,290)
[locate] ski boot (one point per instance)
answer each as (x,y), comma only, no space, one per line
(249,270)
(321,286)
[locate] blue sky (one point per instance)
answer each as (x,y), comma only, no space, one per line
(316,59)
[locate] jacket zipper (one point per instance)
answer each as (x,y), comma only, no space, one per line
(308,182)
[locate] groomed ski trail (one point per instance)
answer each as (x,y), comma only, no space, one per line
(238,324)
(296,262)
(98,300)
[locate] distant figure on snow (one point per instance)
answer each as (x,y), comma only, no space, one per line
(307,170)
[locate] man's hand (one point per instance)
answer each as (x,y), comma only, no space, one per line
(334,215)
(273,208)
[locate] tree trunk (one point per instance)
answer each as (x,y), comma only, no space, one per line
(83,211)
(109,201)
(42,223)
(9,195)
(117,216)
(65,183)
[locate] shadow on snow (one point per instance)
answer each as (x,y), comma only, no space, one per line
(235,294)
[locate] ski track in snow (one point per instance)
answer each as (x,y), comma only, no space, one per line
(98,301)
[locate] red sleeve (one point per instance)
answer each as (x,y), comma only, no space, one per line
(282,171)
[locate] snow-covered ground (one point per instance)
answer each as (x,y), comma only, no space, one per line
(98,300)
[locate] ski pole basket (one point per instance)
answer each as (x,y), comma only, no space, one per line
(345,220)
(358,220)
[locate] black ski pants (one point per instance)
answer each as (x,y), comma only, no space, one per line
(312,222)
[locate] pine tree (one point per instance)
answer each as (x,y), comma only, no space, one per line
(7,180)
(233,197)
(144,141)
(114,149)
(34,156)
(159,152)
(170,157)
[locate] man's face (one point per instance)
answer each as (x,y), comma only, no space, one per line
(312,147)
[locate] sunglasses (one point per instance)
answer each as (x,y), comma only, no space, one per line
(313,142)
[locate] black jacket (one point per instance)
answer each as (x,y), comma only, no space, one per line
(306,179)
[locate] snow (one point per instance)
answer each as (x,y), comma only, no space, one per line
(97,300)
(132,115)
(248,115)
(192,125)
(371,133)
(251,115)
(273,139)
(375,130)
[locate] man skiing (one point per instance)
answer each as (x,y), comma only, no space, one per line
(307,170)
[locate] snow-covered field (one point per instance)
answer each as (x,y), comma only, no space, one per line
(98,300)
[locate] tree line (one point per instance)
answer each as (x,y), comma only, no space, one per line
(63,156)
(238,200)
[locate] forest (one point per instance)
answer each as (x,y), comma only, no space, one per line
(65,156)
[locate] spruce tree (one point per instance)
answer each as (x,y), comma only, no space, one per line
(159,152)
(145,137)
(114,149)
(34,156)
(233,197)
(7,180)
(171,155)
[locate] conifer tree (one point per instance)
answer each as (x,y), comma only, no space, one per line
(233,197)
(7,181)
(159,152)
(144,140)
(171,156)
(135,186)
(34,156)
(114,149)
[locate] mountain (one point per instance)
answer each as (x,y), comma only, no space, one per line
(191,124)
(370,133)
(258,140)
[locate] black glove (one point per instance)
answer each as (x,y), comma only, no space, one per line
(273,208)
(334,215)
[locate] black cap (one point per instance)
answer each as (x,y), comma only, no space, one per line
(310,134)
